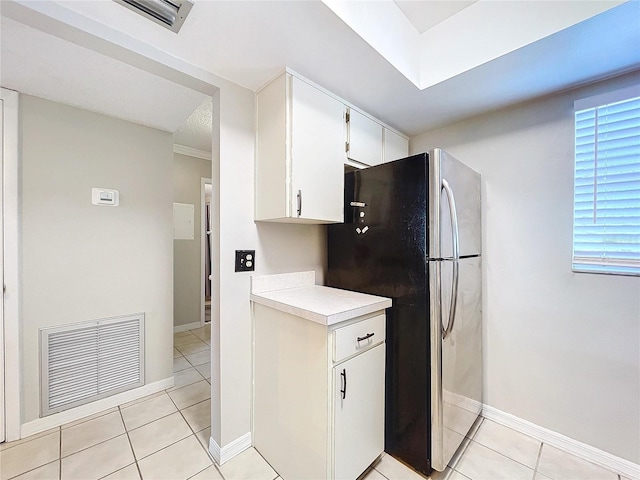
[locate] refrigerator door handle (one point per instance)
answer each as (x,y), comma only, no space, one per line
(456,256)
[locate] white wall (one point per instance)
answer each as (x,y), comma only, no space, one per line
(562,349)
(80,261)
(187,264)
(279,248)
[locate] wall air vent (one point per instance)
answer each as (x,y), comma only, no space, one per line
(83,362)
(168,13)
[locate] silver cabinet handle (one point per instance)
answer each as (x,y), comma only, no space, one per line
(456,256)
(299,203)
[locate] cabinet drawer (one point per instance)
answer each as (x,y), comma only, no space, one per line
(358,336)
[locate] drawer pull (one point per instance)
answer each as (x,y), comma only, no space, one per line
(344,383)
(366,337)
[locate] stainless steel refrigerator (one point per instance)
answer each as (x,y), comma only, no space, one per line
(412,232)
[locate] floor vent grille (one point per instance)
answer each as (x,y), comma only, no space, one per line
(84,362)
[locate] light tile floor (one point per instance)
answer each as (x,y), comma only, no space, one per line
(165,437)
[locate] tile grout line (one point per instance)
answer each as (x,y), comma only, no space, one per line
(535,470)
(91,446)
(22,441)
(88,418)
(205,448)
(174,388)
(31,470)
(133,452)
(194,435)
(512,459)
(60,454)
(265,461)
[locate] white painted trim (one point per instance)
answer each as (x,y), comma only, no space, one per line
(226,453)
(606,98)
(191,152)
(73,414)
(562,442)
(185,327)
(11,254)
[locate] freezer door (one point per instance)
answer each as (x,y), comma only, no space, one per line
(451,181)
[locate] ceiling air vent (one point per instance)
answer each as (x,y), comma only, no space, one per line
(168,13)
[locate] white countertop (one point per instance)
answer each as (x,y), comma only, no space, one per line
(320,304)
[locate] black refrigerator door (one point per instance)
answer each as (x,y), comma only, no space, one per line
(381,250)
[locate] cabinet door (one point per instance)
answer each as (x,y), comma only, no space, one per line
(358,413)
(317,154)
(365,139)
(395,146)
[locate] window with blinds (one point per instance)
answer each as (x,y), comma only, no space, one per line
(606,214)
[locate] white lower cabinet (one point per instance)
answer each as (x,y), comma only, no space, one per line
(318,410)
(358,403)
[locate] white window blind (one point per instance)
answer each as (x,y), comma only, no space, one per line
(606,218)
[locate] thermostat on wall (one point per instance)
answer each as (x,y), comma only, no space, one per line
(105,196)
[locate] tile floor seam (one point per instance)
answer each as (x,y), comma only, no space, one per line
(133,452)
(145,424)
(476,429)
(126,466)
(502,454)
(32,469)
(535,470)
(265,460)
(188,425)
(198,473)
(88,418)
(459,453)
(22,441)
(167,446)
(215,465)
(60,453)
(90,446)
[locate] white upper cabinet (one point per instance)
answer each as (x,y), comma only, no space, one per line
(364,139)
(304,137)
(395,146)
(300,153)
(317,153)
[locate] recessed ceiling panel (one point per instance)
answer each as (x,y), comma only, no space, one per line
(425,14)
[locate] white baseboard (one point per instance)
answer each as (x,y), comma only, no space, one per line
(73,414)
(226,453)
(562,442)
(186,326)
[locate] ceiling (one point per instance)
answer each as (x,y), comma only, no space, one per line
(426,14)
(45,66)
(249,42)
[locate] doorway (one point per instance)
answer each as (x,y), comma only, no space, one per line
(2,429)
(9,338)
(205,254)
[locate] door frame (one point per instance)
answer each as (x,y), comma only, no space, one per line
(203,236)
(11,258)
